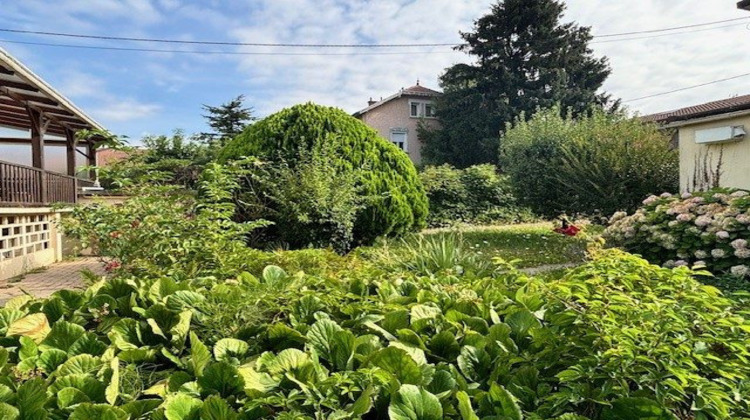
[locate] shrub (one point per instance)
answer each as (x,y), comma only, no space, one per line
(476,195)
(310,202)
(592,166)
(710,229)
(396,202)
(167,230)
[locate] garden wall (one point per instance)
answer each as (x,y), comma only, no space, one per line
(29,239)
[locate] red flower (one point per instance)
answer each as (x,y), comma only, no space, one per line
(135,223)
(570,230)
(112,266)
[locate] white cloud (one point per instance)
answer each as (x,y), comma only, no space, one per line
(348,81)
(95,95)
(124,109)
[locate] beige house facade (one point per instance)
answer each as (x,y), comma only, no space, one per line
(398,116)
(714,143)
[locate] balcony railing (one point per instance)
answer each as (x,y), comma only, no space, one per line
(22,185)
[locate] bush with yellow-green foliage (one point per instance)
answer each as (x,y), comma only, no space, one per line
(394,201)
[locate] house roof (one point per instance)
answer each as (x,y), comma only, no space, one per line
(21,88)
(413,91)
(724,106)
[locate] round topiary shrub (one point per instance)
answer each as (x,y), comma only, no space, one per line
(701,229)
(394,199)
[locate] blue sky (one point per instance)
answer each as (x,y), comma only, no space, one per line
(138,93)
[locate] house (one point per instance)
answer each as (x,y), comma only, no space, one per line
(40,157)
(398,116)
(107,156)
(713,142)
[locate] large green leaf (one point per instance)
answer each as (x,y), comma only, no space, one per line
(501,402)
(125,334)
(31,398)
(474,363)
(215,408)
(636,408)
(221,378)
(88,411)
(28,350)
(69,396)
(414,403)
(113,389)
(273,275)
(281,337)
(7,316)
(521,322)
(89,343)
(49,360)
(138,409)
(399,363)
(199,355)
(90,386)
(342,350)
(183,299)
(320,337)
(82,364)
(8,412)
(34,326)
(181,329)
(182,407)
(421,315)
(62,335)
(464,406)
(230,350)
(257,382)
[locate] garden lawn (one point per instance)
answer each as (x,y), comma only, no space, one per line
(533,244)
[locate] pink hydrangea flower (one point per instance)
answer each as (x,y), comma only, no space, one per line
(722,234)
(739,244)
(718,253)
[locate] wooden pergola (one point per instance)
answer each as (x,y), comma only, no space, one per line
(28,103)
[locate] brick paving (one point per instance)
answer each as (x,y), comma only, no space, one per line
(64,275)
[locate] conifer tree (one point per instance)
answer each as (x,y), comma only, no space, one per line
(227,121)
(525,58)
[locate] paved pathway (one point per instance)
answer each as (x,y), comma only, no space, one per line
(64,275)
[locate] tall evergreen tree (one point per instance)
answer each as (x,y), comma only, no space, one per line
(525,59)
(227,121)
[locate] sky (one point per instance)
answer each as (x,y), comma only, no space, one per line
(137,93)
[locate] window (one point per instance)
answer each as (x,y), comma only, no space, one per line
(421,109)
(429,110)
(398,137)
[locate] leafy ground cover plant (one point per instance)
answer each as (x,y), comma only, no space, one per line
(475,195)
(369,343)
(168,230)
(707,229)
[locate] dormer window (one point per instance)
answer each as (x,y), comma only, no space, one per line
(421,109)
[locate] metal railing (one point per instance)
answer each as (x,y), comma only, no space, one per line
(22,185)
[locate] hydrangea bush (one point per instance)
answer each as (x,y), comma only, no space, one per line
(701,229)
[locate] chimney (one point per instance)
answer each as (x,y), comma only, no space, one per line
(371,102)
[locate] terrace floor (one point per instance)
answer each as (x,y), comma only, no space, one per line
(41,284)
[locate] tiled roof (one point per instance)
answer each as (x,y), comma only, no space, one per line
(420,90)
(738,103)
(416,90)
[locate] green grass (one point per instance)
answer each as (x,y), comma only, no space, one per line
(533,244)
